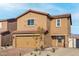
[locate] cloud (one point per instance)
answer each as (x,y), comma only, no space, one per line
(10,10)
(10,6)
(46,7)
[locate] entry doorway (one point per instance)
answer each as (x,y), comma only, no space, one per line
(58,41)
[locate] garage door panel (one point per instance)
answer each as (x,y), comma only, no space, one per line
(25,42)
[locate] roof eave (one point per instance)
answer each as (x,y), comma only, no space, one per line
(62,16)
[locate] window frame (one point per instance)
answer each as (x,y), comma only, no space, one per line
(58,26)
(30,22)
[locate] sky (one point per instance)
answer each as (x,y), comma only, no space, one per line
(12,10)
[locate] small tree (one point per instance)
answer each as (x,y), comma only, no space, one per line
(41,32)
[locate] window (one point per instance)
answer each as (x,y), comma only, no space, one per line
(59,40)
(30,22)
(0,25)
(58,22)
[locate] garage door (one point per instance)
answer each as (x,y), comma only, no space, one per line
(25,42)
(77,43)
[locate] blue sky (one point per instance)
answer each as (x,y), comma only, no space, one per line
(12,10)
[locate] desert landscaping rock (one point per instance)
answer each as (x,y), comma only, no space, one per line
(31,52)
(14,52)
(58,52)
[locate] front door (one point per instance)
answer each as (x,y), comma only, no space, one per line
(60,42)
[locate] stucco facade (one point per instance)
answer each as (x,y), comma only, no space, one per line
(40,21)
(43,33)
(3,25)
(64,30)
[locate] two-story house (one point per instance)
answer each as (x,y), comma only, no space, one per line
(35,29)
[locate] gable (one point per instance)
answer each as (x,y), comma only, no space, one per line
(36,12)
(39,21)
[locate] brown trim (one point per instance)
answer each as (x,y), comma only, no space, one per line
(4,32)
(62,16)
(11,19)
(25,32)
(26,35)
(33,11)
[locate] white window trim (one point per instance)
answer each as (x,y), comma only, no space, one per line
(0,25)
(56,23)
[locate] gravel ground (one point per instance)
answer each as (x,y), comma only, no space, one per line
(58,52)
(14,51)
(46,52)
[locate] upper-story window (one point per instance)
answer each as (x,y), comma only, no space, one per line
(30,22)
(58,22)
(0,25)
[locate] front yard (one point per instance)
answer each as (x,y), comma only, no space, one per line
(46,52)
(58,52)
(14,51)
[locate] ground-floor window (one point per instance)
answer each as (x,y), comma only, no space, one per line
(59,40)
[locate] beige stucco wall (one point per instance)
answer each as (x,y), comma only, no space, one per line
(4,25)
(63,30)
(40,21)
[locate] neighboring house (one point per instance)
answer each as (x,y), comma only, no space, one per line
(6,27)
(75,40)
(35,29)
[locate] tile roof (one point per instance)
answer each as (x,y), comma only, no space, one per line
(3,31)
(34,11)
